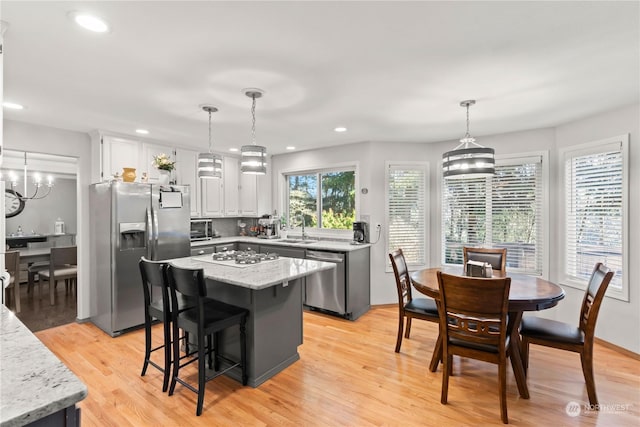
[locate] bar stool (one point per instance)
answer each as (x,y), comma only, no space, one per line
(206,320)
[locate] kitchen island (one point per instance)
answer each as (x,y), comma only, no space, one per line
(272,291)
(35,386)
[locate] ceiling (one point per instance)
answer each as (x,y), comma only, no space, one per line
(388,71)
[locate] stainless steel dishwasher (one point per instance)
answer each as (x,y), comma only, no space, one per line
(325,290)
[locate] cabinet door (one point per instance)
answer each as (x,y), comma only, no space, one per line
(187,174)
(212,197)
(248,195)
(263,194)
(230,172)
(148,152)
(119,153)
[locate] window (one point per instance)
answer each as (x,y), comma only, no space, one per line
(503,211)
(407,211)
(322,199)
(595,211)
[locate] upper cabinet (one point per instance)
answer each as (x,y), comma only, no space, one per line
(149,151)
(234,195)
(119,153)
(186,173)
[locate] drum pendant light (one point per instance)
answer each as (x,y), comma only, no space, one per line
(209,164)
(468,160)
(254,157)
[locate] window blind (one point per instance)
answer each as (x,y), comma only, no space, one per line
(594,212)
(406,211)
(503,211)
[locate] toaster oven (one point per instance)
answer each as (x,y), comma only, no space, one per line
(202,229)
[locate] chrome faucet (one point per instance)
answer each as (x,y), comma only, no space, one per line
(304,235)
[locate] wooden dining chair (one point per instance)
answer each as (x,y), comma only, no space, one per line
(551,333)
(408,307)
(497,257)
(62,266)
(473,323)
(12,264)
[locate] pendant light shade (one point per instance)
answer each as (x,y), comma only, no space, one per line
(254,157)
(468,160)
(209,164)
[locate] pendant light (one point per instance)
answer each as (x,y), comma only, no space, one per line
(209,164)
(254,157)
(468,160)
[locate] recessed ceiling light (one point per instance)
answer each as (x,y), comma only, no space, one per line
(12,106)
(340,129)
(142,131)
(291,147)
(90,22)
(233,149)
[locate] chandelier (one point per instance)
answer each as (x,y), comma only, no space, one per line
(38,184)
(468,160)
(254,157)
(209,164)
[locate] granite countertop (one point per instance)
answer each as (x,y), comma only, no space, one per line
(34,383)
(330,245)
(254,276)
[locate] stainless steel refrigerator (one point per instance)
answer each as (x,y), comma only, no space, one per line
(129,221)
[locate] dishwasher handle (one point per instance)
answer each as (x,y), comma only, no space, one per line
(325,256)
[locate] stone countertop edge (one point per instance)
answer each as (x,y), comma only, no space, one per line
(330,245)
(34,383)
(256,276)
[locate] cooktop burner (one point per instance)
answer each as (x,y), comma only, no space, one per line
(244,257)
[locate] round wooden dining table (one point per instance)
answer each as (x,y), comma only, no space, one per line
(527,293)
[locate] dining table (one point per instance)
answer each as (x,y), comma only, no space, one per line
(527,293)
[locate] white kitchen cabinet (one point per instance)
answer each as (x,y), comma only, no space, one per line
(212,197)
(230,172)
(149,151)
(186,173)
(119,153)
(248,203)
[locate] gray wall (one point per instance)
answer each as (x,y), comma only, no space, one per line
(40,215)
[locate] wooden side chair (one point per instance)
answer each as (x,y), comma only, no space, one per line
(62,266)
(473,323)
(408,307)
(205,321)
(12,264)
(551,333)
(157,305)
(497,257)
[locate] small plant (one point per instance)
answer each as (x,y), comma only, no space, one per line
(163,162)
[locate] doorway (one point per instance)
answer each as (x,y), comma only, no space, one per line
(39,219)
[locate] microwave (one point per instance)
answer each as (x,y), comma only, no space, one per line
(202,229)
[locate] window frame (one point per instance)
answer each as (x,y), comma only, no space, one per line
(334,167)
(427,210)
(595,147)
(512,159)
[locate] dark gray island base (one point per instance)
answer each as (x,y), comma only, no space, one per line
(272,292)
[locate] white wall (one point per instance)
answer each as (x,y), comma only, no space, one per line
(372,156)
(41,139)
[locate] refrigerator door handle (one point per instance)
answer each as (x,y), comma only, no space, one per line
(154,246)
(150,234)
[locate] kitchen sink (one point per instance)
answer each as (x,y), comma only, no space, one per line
(299,241)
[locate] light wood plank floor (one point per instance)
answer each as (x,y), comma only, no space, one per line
(348,375)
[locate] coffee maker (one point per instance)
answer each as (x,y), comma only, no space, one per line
(269,228)
(360,232)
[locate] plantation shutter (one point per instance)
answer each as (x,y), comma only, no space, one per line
(406,211)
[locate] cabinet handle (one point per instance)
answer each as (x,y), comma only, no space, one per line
(201,252)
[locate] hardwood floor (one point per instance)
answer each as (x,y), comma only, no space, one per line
(348,375)
(38,314)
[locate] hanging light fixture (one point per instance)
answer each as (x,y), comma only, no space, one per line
(468,160)
(37,183)
(209,164)
(254,157)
